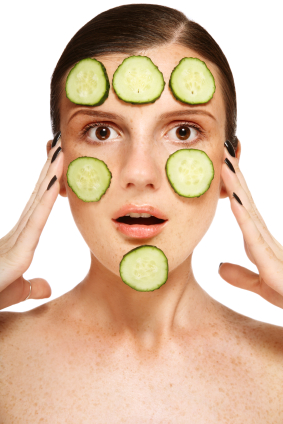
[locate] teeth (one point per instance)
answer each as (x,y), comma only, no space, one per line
(139,215)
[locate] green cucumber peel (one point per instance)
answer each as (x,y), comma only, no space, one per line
(87,83)
(144,268)
(191,81)
(137,80)
(189,172)
(89,178)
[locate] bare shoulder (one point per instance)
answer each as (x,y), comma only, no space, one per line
(261,334)
(261,340)
(18,328)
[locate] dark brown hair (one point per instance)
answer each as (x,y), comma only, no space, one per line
(131,28)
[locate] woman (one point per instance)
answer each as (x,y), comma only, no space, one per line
(104,352)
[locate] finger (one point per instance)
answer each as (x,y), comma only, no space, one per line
(243,278)
(20,289)
(233,184)
(42,176)
(269,266)
(56,168)
(18,257)
(29,237)
(250,205)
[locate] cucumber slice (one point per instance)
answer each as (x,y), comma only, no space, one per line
(137,80)
(88,83)
(192,82)
(190,172)
(89,178)
(144,268)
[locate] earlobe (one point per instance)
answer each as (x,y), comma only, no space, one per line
(63,191)
(48,146)
(239,150)
(223,193)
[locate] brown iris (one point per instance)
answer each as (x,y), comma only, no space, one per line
(102,133)
(183,133)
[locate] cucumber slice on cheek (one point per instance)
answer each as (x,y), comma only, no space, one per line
(89,178)
(190,172)
(144,268)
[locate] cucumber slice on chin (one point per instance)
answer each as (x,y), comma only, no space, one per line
(87,83)
(190,172)
(144,268)
(192,82)
(137,80)
(89,178)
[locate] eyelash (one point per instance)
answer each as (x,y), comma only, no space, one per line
(104,124)
(200,131)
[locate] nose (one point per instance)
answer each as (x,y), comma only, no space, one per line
(141,169)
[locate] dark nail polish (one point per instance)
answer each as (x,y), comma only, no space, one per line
(52,181)
(220,265)
(230,166)
(56,153)
(55,139)
(229,146)
(237,198)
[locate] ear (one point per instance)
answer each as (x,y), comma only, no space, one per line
(223,192)
(62,191)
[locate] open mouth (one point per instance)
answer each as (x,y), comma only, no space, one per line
(139,225)
(151,220)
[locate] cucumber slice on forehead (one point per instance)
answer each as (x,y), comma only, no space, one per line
(87,83)
(192,82)
(137,80)
(144,268)
(190,172)
(89,178)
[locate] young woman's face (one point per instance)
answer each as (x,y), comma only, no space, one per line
(137,144)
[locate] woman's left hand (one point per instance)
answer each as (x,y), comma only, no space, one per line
(261,247)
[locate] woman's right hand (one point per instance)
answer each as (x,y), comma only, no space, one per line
(18,246)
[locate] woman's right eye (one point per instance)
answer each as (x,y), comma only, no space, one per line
(101,133)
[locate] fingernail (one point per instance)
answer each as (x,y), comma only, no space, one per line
(237,198)
(55,139)
(230,165)
(56,153)
(229,146)
(220,265)
(52,181)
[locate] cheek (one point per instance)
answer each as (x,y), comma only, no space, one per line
(189,225)
(189,221)
(96,229)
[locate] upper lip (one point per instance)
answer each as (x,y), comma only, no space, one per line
(126,209)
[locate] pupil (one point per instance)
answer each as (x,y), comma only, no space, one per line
(183,133)
(102,133)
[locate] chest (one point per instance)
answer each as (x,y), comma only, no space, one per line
(116,386)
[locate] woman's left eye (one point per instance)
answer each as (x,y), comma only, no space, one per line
(183,132)
(101,133)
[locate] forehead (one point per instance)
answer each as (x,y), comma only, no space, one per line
(166,58)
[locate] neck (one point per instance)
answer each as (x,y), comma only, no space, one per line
(106,302)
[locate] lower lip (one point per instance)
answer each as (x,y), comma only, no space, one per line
(139,231)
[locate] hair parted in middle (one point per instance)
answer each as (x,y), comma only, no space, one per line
(131,29)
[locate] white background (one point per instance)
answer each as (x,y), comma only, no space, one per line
(33,36)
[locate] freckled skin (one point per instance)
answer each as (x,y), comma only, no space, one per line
(105,353)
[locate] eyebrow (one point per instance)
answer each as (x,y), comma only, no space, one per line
(186,112)
(108,115)
(96,113)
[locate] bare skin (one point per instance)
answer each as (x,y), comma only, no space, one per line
(106,353)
